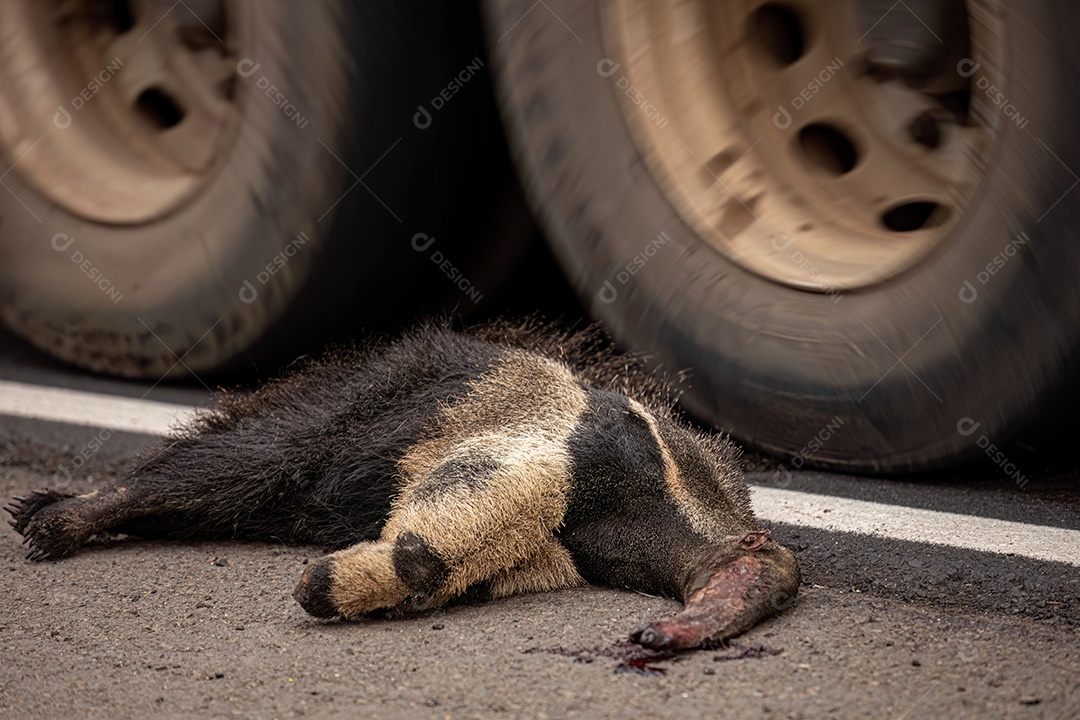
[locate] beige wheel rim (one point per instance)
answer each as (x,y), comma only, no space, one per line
(125,105)
(788,156)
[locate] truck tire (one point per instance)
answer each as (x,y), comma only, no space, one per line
(864,261)
(189,188)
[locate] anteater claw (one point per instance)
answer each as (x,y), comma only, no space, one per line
(23,508)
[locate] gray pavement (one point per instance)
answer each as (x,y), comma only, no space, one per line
(144,629)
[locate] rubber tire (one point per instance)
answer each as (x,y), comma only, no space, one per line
(792,372)
(357,72)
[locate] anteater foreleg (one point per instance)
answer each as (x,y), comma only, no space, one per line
(483,514)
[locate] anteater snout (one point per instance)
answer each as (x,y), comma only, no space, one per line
(313,590)
(749,578)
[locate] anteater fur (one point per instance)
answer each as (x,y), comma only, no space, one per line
(447,465)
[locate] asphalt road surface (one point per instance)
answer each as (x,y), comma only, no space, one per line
(954,596)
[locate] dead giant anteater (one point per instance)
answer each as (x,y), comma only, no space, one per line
(443,465)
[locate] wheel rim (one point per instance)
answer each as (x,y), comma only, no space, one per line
(786,146)
(126,105)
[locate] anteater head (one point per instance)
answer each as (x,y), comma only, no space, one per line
(659,507)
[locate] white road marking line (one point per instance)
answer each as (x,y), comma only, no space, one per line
(825,512)
(76,407)
(969,532)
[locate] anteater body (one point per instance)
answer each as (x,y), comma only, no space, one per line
(448,465)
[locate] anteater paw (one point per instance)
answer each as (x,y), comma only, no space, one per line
(53,530)
(23,509)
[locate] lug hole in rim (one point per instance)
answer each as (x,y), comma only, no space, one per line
(958,104)
(120,15)
(918,215)
(925,131)
(780,31)
(828,148)
(159,108)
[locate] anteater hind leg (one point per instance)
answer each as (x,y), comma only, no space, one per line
(54,524)
(485,515)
